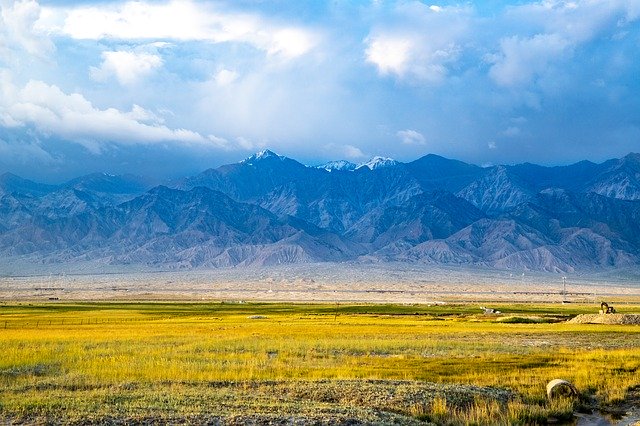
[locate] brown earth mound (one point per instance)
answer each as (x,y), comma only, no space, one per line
(633,319)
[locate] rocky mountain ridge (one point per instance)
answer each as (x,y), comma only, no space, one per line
(271,209)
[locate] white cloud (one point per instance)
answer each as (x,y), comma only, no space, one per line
(249,145)
(288,42)
(220,142)
(523,59)
(406,56)
(575,21)
(19,29)
(511,131)
(284,106)
(127,67)
(411,137)
(350,152)
(550,30)
(244,143)
(71,116)
(182,21)
(545,53)
(491,145)
(391,54)
(422,46)
(225,77)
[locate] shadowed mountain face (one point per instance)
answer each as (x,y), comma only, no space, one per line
(270,209)
(176,228)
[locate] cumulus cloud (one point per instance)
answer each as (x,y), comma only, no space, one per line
(127,67)
(220,142)
(422,46)
(225,77)
(247,144)
(257,74)
(181,21)
(287,42)
(522,59)
(391,54)
(559,28)
(577,21)
(411,137)
(350,152)
(71,116)
(19,29)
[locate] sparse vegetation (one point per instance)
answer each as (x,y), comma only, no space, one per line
(373,363)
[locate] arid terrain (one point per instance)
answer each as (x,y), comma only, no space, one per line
(321,282)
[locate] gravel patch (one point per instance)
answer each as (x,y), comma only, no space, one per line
(622,319)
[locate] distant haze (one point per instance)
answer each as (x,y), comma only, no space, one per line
(170,88)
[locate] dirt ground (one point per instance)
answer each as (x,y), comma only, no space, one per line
(321,283)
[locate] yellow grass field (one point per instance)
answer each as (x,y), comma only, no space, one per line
(238,363)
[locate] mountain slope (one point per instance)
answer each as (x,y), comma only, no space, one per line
(270,209)
(12,184)
(497,190)
(438,173)
(168,226)
(621,179)
(333,200)
(423,217)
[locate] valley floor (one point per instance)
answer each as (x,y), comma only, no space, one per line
(280,363)
(320,282)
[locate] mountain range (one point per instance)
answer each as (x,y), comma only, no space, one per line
(270,209)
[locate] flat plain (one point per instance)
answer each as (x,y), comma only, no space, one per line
(309,363)
(314,282)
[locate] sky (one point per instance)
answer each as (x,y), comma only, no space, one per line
(170,88)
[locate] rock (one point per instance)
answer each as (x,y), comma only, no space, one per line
(560,387)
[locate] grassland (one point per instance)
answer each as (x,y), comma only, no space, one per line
(315,363)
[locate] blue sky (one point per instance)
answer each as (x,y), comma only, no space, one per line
(171,88)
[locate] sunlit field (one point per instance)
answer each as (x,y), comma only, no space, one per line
(231,362)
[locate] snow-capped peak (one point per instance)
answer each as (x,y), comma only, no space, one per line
(265,153)
(338,165)
(378,163)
